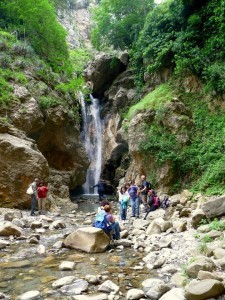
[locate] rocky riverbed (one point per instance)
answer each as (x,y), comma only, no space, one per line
(170,256)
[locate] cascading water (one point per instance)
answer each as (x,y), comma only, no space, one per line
(92,139)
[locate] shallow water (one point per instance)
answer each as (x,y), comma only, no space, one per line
(22,269)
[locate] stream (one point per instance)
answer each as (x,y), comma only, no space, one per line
(22,269)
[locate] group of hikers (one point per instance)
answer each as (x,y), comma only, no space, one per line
(132,194)
(38,191)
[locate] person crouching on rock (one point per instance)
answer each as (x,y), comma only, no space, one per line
(42,195)
(153,202)
(106,221)
(34,196)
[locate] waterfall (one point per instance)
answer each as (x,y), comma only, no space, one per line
(92,139)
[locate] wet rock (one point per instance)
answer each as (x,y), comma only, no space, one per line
(7,229)
(36,224)
(76,288)
(197,216)
(58,245)
(41,250)
(67,266)
(40,230)
(204,289)
(4,296)
(33,240)
(134,294)
(31,295)
(3,244)
(88,239)
(63,281)
(46,219)
(58,224)
(18,223)
(9,216)
(174,294)
(201,263)
(92,279)
(214,207)
(109,287)
(16,264)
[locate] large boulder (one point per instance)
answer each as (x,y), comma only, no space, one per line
(204,289)
(7,229)
(174,294)
(20,162)
(214,207)
(88,239)
(200,263)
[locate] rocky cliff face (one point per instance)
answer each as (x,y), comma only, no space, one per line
(39,135)
(75,17)
(123,158)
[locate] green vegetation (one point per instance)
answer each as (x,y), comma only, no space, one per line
(119,22)
(217,225)
(46,102)
(36,23)
(154,100)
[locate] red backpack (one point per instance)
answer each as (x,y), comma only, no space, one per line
(156,201)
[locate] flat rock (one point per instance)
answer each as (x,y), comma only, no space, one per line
(204,289)
(67,266)
(76,288)
(31,295)
(140,223)
(36,224)
(208,275)
(133,294)
(108,287)
(63,281)
(124,242)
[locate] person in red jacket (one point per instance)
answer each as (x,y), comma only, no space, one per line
(42,195)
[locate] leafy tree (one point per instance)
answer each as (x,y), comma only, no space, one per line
(36,22)
(118,22)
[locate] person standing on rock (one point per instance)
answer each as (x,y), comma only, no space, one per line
(123,202)
(42,195)
(145,186)
(133,192)
(101,189)
(34,195)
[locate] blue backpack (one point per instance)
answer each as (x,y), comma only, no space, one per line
(133,192)
(101,222)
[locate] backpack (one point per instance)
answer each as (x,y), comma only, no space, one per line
(148,185)
(100,221)
(133,192)
(165,203)
(156,201)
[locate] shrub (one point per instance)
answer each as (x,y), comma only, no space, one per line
(47,102)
